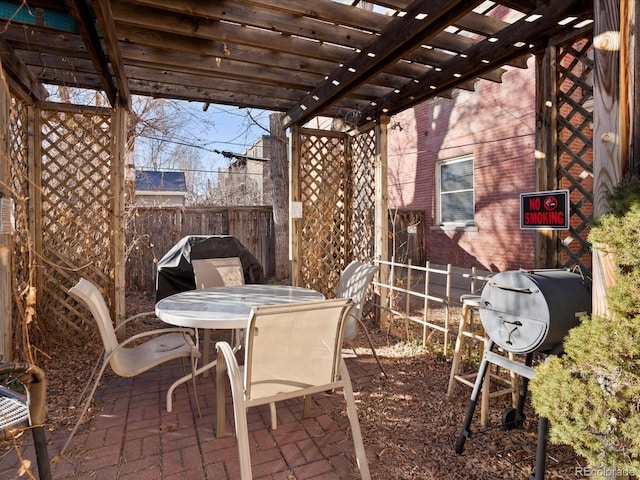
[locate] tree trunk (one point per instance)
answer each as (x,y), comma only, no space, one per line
(280,181)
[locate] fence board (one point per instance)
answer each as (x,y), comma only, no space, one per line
(152,231)
(407,236)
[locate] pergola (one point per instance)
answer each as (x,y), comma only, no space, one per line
(356,62)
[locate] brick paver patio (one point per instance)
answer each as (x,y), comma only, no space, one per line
(132,436)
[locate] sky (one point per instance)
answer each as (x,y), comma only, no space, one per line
(195,141)
(218,129)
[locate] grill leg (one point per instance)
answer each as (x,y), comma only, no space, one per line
(541,449)
(482,371)
(524,386)
(514,417)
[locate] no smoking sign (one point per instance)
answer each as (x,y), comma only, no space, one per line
(548,210)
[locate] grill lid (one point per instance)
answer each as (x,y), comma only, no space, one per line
(525,311)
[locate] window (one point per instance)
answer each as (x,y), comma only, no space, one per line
(455,192)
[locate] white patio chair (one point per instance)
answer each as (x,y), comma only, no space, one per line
(216,272)
(291,351)
(128,361)
(354,282)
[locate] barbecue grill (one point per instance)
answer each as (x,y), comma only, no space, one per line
(527,312)
(532,310)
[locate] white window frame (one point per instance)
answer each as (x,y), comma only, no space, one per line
(439,204)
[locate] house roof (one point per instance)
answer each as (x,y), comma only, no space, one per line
(154,181)
(305,58)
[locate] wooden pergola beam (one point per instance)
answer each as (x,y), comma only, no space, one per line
(19,71)
(423,19)
(80,14)
(108,27)
(491,53)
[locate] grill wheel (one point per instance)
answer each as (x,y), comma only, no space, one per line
(512,419)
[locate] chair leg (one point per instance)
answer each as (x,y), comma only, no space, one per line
(274,416)
(457,350)
(93,373)
(352,413)
(484,400)
(42,454)
(86,404)
(242,436)
(236,338)
(306,410)
(373,350)
(220,394)
(515,383)
(226,363)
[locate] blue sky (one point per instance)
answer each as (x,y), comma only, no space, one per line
(218,129)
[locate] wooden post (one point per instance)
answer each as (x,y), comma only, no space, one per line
(610,135)
(34,160)
(118,158)
(426,301)
(280,182)
(633,50)
(546,156)
(294,195)
(6,246)
(381,248)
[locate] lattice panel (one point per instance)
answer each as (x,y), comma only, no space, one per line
(575,148)
(76,209)
(19,171)
(363,208)
(337,184)
(323,183)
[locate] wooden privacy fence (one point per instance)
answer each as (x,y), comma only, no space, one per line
(152,231)
(407,236)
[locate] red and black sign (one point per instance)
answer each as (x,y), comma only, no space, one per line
(545,210)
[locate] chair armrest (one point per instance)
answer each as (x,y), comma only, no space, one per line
(228,363)
(34,381)
(188,333)
(135,317)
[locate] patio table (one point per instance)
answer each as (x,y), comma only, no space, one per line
(222,308)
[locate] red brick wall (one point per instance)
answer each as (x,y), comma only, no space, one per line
(495,124)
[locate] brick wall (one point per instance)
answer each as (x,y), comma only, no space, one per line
(495,124)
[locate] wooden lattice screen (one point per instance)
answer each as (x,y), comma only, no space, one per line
(64,210)
(20,192)
(77,207)
(337,193)
(575,148)
(363,208)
